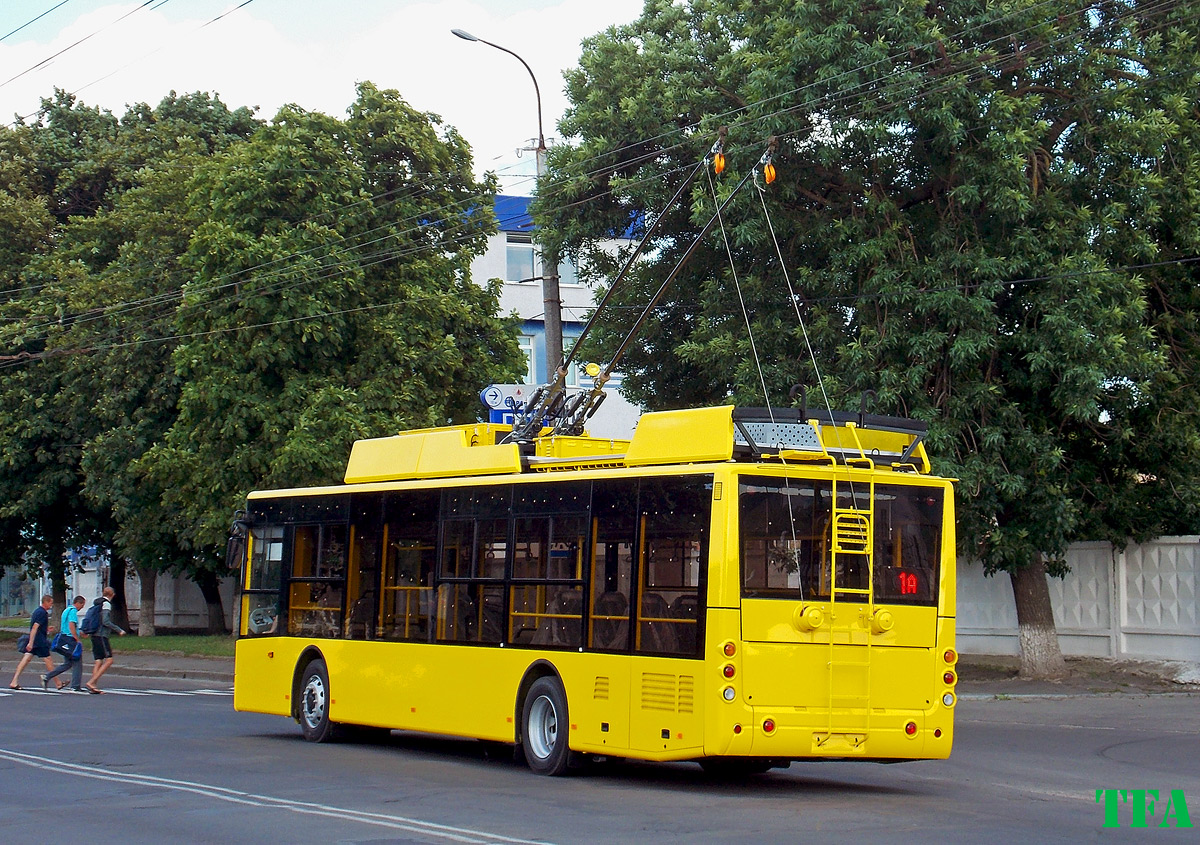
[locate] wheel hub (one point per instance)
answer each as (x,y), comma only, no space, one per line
(313,702)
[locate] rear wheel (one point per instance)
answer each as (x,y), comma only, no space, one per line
(314,703)
(544,724)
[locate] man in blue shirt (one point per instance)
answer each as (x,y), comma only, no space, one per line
(70,625)
(39,642)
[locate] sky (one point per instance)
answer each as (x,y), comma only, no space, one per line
(266,53)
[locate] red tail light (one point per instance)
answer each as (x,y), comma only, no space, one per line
(949,678)
(911,729)
(728,671)
(769,726)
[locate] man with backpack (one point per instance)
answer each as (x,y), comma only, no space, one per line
(97,624)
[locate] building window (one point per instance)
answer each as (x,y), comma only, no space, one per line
(567,274)
(520,258)
(526,344)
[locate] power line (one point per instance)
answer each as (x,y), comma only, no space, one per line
(35,20)
(87,37)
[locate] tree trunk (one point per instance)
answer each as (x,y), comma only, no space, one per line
(1041,656)
(148,579)
(207,581)
(116,580)
(56,566)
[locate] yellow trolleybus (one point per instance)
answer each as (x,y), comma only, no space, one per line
(739,587)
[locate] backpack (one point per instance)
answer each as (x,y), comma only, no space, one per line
(91,619)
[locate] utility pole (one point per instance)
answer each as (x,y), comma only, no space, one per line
(551,301)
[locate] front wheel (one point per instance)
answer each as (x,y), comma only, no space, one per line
(314,703)
(544,724)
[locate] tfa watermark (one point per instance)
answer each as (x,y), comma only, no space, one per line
(1145,809)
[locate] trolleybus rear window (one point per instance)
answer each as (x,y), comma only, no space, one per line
(786,534)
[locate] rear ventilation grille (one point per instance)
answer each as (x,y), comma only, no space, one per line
(600,693)
(668,693)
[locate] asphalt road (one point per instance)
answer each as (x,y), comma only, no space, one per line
(170,761)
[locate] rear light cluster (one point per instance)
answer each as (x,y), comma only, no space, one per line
(949,678)
(729,649)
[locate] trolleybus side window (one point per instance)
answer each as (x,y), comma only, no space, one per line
(265,576)
(550,526)
(362,575)
(410,543)
(614,532)
(675,515)
(470,593)
(319,556)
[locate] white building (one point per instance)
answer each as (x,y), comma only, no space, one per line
(512,257)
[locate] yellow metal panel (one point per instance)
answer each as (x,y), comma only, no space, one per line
(417,686)
(579,447)
(776,620)
(597,688)
(262,674)
(948,593)
(726,722)
(724,567)
(682,437)
(435,453)
(664,722)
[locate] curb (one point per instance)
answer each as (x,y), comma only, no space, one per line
(181,674)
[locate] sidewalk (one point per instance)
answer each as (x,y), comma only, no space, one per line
(147,664)
(986,676)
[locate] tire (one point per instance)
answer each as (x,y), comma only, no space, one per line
(313,706)
(544,728)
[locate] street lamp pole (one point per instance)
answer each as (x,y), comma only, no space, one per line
(551,301)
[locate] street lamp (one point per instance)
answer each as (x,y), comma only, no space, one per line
(551,303)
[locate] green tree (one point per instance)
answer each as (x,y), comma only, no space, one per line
(966,193)
(81,399)
(328,300)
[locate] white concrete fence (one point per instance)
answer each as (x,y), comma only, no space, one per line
(1140,602)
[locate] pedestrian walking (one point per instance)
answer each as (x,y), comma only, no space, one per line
(72,657)
(101,647)
(39,641)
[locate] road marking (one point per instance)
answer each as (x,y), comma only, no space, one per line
(233,796)
(6,692)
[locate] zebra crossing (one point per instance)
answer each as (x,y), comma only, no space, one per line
(5,692)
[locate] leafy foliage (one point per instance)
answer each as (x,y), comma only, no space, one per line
(987,213)
(197,304)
